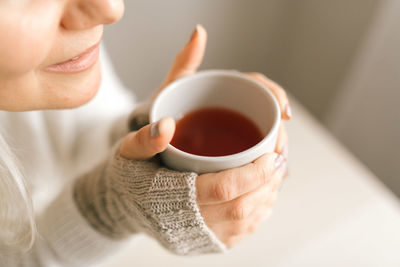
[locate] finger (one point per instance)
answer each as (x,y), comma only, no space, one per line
(149,140)
(189,59)
(231,234)
(278,91)
(229,184)
(226,230)
(231,241)
(230,228)
(238,209)
(282,147)
(282,142)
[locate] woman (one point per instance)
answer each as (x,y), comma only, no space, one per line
(93,183)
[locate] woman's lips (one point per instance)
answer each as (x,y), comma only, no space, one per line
(76,64)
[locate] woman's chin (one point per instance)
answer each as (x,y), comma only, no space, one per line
(76,90)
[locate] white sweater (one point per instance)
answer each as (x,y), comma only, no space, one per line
(57,146)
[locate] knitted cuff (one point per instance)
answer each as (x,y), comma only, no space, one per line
(127,196)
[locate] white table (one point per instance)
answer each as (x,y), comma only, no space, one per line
(331,212)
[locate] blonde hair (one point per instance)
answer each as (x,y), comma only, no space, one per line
(17,225)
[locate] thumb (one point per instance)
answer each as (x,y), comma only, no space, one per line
(149,140)
(189,59)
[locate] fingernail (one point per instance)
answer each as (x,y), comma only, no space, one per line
(267,215)
(286,173)
(279,161)
(285,152)
(284,169)
(281,186)
(288,111)
(194,33)
(284,176)
(155,129)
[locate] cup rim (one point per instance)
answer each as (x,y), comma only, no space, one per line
(231,73)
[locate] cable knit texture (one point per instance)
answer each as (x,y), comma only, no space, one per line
(123,196)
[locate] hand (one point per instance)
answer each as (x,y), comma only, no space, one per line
(234,202)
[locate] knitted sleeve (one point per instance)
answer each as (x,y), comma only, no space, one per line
(122,197)
(92,218)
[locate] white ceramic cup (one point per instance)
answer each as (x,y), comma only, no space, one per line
(221,88)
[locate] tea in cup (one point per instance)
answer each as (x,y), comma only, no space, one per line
(224,120)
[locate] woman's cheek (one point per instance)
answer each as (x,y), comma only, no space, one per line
(26,41)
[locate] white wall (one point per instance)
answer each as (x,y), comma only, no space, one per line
(305,45)
(366,113)
(145,42)
(317,40)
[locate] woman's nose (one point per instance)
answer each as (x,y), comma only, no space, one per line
(85,14)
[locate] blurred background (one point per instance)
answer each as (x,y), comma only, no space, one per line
(340,59)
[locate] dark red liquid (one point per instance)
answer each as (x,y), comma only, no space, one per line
(215,132)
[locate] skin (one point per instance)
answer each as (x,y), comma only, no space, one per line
(37,33)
